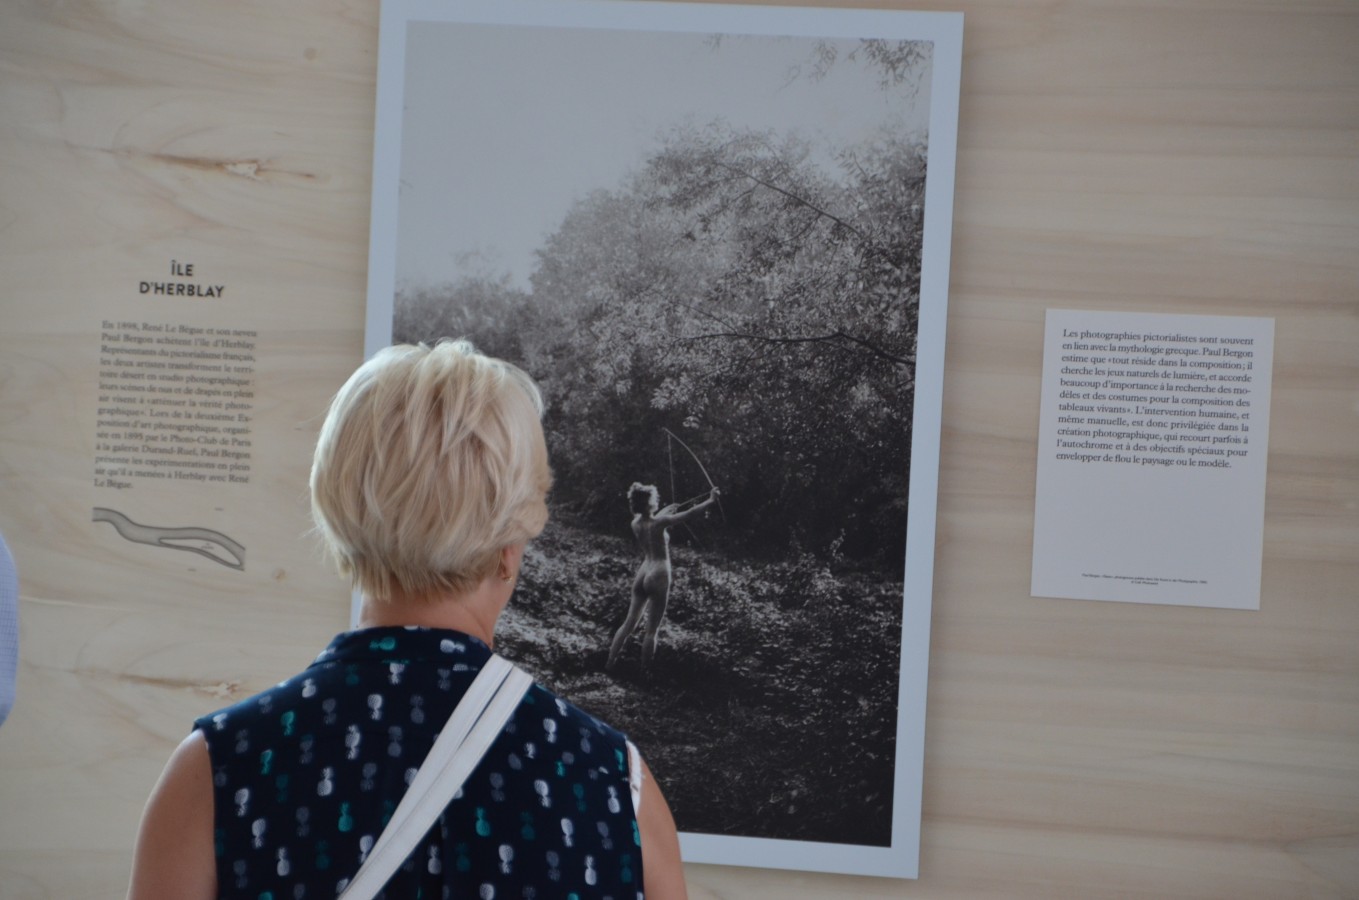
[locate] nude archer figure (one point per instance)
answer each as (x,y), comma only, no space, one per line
(651,588)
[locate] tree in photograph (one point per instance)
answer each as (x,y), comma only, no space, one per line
(899,63)
(816,323)
(733,290)
(487,310)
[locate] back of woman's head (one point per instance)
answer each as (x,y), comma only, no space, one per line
(430,461)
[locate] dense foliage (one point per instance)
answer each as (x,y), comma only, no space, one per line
(758,304)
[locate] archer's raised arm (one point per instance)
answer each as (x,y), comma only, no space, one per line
(668,517)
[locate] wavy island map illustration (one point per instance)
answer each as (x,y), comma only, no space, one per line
(204,541)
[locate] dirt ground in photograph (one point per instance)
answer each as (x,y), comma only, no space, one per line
(770,709)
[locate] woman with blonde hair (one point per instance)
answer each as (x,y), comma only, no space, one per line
(429,477)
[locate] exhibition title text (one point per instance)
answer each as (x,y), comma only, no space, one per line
(181,288)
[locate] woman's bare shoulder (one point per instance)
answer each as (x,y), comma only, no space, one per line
(662,870)
(174,855)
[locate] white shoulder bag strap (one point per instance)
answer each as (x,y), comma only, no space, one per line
(479,717)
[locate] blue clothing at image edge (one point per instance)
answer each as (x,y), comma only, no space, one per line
(307,773)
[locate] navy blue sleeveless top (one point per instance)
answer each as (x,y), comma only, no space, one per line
(307,773)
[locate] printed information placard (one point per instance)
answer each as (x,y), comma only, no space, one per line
(1152,448)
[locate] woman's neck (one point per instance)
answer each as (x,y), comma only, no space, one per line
(474,612)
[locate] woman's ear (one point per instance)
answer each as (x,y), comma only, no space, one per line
(511,558)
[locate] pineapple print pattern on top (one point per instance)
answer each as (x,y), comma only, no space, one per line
(307,773)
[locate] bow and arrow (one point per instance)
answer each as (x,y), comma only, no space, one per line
(670,440)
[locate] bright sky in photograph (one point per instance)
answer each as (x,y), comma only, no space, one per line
(506,126)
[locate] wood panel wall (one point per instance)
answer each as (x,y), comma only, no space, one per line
(1199,156)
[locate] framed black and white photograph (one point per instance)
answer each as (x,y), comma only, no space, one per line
(717,237)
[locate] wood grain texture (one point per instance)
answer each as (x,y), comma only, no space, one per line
(1198,156)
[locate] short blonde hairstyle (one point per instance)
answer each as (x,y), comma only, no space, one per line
(430,462)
